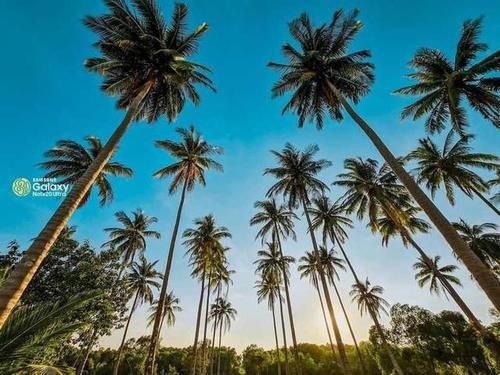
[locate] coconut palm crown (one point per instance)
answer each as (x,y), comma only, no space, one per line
(318,60)
(139,49)
(427,274)
(68,161)
(276,219)
(443,84)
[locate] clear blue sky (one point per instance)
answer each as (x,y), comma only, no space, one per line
(47,95)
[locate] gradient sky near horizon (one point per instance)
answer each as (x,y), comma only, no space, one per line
(48,95)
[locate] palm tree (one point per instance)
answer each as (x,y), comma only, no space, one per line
(297,181)
(144,62)
(130,239)
(207,256)
(376,193)
(369,300)
(493,183)
(268,288)
(323,77)
(141,281)
(69,160)
(450,167)
(433,275)
(193,158)
(308,268)
(443,84)
(170,309)
(485,244)
(225,313)
(277,221)
(271,263)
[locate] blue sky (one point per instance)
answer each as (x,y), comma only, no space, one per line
(48,96)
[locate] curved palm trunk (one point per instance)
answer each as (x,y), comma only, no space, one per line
(289,307)
(316,286)
(358,352)
(149,366)
(218,352)
(17,281)
(386,345)
(211,359)
(120,349)
(283,330)
(335,239)
(278,363)
(338,338)
(486,201)
(198,321)
(204,348)
(485,278)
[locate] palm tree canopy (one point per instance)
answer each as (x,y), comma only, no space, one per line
(137,48)
(309,267)
(141,279)
(443,84)
(330,263)
(223,311)
(297,174)
(495,182)
(69,160)
(268,288)
(483,240)
(320,58)
(330,217)
(171,307)
(130,238)
(430,273)
(274,219)
(372,191)
(271,262)
(368,298)
(193,155)
(451,166)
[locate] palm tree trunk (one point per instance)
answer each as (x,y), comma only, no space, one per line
(211,360)
(335,239)
(198,321)
(358,352)
(283,330)
(120,349)
(316,286)
(485,278)
(289,306)
(336,331)
(20,277)
(149,367)
(81,367)
(218,352)
(386,345)
(276,340)
(486,201)
(204,348)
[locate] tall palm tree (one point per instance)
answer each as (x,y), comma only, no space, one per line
(308,268)
(225,313)
(276,221)
(193,157)
(271,263)
(130,239)
(68,161)
(331,264)
(141,280)
(369,301)
(443,84)
(169,310)
(433,275)
(207,256)
(146,64)
(451,167)
(268,287)
(375,192)
(323,77)
(297,181)
(484,240)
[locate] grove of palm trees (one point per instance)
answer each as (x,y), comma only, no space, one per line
(258,188)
